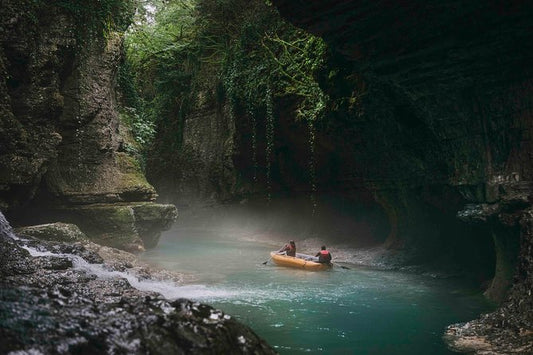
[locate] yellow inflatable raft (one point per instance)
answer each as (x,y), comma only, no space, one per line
(301,261)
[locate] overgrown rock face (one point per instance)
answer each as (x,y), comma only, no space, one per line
(91,165)
(444,90)
(63,143)
(201,169)
(32,63)
(60,96)
(442,101)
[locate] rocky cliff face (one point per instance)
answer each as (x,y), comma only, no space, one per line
(63,157)
(440,121)
(201,168)
(63,144)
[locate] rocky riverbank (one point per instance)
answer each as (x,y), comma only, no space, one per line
(59,297)
(500,332)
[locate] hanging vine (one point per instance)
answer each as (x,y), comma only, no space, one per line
(312,165)
(270,60)
(253,127)
(243,52)
(269,140)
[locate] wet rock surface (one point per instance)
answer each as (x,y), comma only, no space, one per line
(509,330)
(59,232)
(52,303)
(496,333)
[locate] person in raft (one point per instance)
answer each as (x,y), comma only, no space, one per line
(290,248)
(324,256)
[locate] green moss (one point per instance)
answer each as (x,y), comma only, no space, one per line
(111,225)
(59,232)
(131,177)
(235,58)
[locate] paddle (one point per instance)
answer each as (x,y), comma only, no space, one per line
(264,263)
(343,267)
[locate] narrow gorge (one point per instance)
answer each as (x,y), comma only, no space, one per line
(401,130)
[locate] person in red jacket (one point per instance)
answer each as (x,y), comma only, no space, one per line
(324,256)
(289,248)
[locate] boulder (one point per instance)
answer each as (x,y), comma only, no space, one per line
(130,227)
(151,219)
(59,232)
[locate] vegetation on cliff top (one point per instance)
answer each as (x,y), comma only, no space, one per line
(231,52)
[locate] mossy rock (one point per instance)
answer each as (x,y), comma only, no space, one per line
(152,219)
(109,224)
(57,232)
(130,227)
(132,181)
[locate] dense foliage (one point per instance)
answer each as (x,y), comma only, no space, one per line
(158,69)
(232,52)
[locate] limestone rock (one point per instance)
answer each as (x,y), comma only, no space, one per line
(30,97)
(59,232)
(91,168)
(59,111)
(203,169)
(151,219)
(122,226)
(62,141)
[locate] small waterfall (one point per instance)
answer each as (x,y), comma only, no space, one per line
(269,140)
(167,289)
(5,227)
(312,165)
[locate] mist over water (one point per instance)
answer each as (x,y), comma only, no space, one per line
(360,310)
(333,219)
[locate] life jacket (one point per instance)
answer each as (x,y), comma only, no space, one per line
(324,257)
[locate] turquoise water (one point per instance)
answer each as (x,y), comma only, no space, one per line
(355,311)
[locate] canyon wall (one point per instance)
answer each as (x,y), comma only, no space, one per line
(442,121)
(200,169)
(63,150)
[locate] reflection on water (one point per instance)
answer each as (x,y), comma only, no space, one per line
(355,311)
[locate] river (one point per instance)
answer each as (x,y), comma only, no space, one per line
(359,310)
